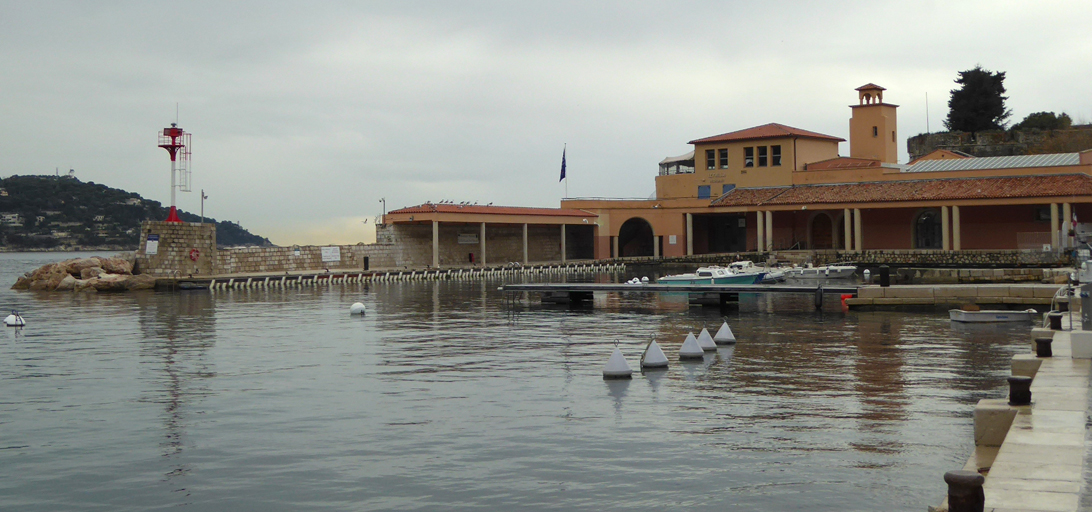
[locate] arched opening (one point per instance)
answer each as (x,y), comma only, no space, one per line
(635,238)
(822,232)
(927,230)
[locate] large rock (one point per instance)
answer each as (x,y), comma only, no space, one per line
(76,266)
(116,265)
(90,272)
(140,282)
(109,283)
(22,283)
(67,283)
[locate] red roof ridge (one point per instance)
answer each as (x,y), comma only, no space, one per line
(868,86)
(766,131)
(489,209)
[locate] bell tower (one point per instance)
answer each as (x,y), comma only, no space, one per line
(872,128)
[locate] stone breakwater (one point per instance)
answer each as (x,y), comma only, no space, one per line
(94,274)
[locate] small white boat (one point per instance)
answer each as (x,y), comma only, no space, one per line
(992,315)
(833,271)
(712,275)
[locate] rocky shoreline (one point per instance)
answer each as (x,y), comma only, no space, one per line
(94,274)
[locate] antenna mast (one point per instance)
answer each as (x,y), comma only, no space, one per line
(177,142)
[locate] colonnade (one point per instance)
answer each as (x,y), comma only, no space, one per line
(481,244)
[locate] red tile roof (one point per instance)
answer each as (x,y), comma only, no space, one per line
(492,210)
(869,85)
(766,131)
(1014,187)
(842,162)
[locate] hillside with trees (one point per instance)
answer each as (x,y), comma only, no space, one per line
(64,213)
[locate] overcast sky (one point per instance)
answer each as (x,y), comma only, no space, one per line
(305,114)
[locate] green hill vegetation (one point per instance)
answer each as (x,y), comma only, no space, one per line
(62,212)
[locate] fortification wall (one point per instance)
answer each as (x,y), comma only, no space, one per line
(183,247)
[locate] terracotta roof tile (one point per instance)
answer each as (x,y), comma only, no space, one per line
(842,162)
(766,131)
(492,210)
(870,85)
(1058,185)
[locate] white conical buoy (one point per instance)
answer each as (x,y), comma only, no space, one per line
(724,335)
(690,348)
(653,357)
(14,320)
(617,367)
(705,341)
(357,309)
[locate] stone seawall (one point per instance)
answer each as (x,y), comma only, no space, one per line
(304,257)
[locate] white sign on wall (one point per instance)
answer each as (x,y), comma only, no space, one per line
(671,239)
(330,254)
(153,245)
(468,238)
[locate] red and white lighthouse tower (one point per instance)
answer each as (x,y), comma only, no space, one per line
(177,142)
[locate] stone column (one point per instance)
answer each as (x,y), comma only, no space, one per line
(435,244)
(957,242)
(525,260)
(769,230)
(847,221)
(1054,225)
(482,258)
(761,229)
(689,234)
(1067,220)
(944,233)
(858,243)
(614,244)
(562,243)
(655,246)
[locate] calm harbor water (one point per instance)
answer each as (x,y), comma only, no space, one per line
(445,396)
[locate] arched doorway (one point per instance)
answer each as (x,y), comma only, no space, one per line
(635,238)
(927,230)
(822,232)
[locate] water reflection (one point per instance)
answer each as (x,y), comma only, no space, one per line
(178,331)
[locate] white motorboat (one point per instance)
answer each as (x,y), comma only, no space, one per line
(712,275)
(832,271)
(992,315)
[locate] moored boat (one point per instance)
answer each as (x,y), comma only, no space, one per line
(712,275)
(992,315)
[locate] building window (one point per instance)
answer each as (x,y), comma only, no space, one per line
(762,156)
(728,187)
(748,157)
(710,159)
(724,158)
(875,131)
(775,155)
(703,191)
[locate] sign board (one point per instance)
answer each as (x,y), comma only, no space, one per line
(152,246)
(330,254)
(468,238)
(671,239)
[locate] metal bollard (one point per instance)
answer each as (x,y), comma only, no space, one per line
(1042,347)
(1055,320)
(965,491)
(1019,390)
(885,276)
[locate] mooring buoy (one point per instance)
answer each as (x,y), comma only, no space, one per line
(617,367)
(690,348)
(724,335)
(14,320)
(357,309)
(653,357)
(705,341)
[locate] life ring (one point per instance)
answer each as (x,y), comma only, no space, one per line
(194,254)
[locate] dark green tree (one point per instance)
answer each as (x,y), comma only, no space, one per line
(1044,121)
(979,103)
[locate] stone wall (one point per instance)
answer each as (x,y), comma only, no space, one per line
(992,143)
(303,257)
(184,247)
(939,258)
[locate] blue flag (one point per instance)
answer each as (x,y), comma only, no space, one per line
(562,166)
